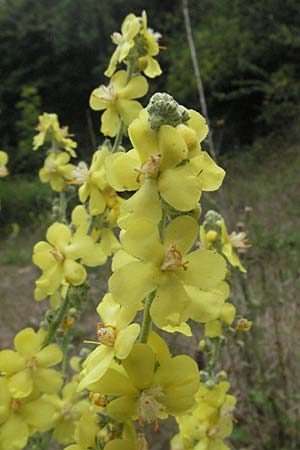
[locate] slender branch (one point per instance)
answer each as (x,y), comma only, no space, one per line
(57,321)
(147,322)
(118,139)
(202,99)
(65,349)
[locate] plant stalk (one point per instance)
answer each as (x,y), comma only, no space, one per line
(57,321)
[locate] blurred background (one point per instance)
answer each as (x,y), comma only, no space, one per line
(54,52)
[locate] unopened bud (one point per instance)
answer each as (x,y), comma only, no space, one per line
(164,110)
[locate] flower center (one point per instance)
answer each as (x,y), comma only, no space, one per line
(106,334)
(81,173)
(98,399)
(50,166)
(32,363)
(69,412)
(150,404)
(15,405)
(150,167)
(107,93)
(238,240)
(57,255)
(173,260)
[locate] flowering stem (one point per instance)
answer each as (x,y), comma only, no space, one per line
(118,139)
(162,224)
(57,321)
(65,348)
(146,325)
(47,439)
(215,356)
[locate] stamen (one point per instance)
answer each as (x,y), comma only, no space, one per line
(59,257)
(150,167)
(106,334)
(173,260)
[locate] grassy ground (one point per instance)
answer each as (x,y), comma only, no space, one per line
(263,365)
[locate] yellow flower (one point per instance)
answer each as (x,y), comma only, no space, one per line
(27,367)
(56,170)
(69,408)
(94,185)
(20,417)
(116,337)
(244,325)
(210,421)
(214,328)
(230,243)
(125,42)
(147,392)
(195,279)
(58,257)
(214,235)
(146,62)
(117,101)
(105,241)
(51,132)
(159,165)
(3,161)
(86,432)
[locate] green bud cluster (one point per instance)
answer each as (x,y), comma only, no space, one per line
(164,110)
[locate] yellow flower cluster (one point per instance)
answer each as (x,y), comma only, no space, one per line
(158,273)
(214,235)
(61,147)
(210,422)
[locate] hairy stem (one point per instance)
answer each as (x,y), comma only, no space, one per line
(118,139)
(147,322)
(57,321)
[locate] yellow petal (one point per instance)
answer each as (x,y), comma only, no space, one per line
(121,170)
(145,203)
(139,278)
(114,382)
(9,438)
(140,365)
(205,269)
(58,235)
(74,272)
(207,305)
(180,187)
(164,310)
(125,340)
(128,110)
(49,356)
(136,87)
(27,343)
(172,147)
(143,138)
(47,380)
(20,385)
(110,122)
(11,361)
(182,232)
(210,174)
(141,240)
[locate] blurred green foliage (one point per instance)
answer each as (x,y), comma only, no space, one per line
(29,110)
(23,202)
(249,55)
